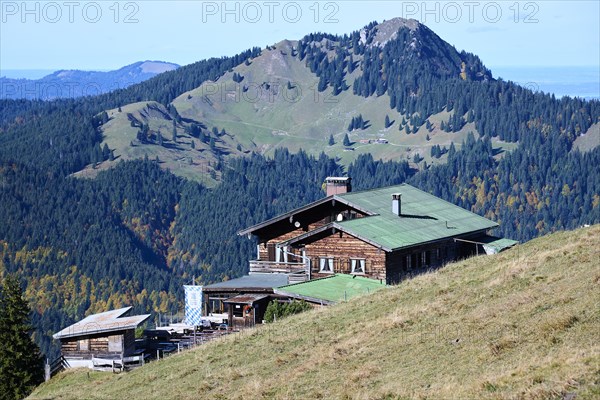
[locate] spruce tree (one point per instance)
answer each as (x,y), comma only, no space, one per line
(331,141)
(351,65)
(105,152)
(21,364)
(346,140)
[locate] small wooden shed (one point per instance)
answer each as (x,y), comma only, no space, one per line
(246,310)
(109,334)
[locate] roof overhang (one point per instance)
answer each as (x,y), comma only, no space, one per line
(238,289)
(334,227)
(441,239)
(302,217)
(249,299)
(305,298)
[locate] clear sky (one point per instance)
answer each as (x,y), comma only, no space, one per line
(103,35)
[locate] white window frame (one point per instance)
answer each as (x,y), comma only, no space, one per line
(358,261)
(326,261)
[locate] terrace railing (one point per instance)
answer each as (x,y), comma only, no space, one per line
(257,266)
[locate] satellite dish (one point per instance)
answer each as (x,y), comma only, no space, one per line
(297,224)
(340,217)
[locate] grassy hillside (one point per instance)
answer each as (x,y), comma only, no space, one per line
(188,157)
(521,324)
(276,104)
(589,140)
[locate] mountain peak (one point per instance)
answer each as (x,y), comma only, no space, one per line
(388,30)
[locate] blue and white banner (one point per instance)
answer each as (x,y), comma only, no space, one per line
(193,304)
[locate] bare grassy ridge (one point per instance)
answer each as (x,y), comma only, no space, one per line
(523,324)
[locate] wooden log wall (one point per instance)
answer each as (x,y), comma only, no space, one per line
(86,346)
(421,258)
(266,255)
(342,248)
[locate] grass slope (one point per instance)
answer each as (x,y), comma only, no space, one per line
(270,114)
(520,324)
(589,140)
(280,108)
(181,157)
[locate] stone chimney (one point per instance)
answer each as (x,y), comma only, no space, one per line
(397,204)
(337,185)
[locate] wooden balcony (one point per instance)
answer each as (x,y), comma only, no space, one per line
(258,266)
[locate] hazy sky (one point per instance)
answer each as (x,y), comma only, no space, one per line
(104,35)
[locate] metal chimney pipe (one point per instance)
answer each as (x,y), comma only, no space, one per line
(397,204)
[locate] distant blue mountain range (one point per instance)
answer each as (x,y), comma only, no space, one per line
(75,83)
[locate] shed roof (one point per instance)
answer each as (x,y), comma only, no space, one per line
(247,298)
(105,322)
(338,287)
(257,281)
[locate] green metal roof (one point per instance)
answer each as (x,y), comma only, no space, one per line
(338,287)
(424,218)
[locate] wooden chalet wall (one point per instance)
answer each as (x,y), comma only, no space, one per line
(264,249)
(427,256)
(403,263)
(342,248)
(84,347)
(264,255)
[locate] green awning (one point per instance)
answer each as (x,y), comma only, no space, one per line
(496,245)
